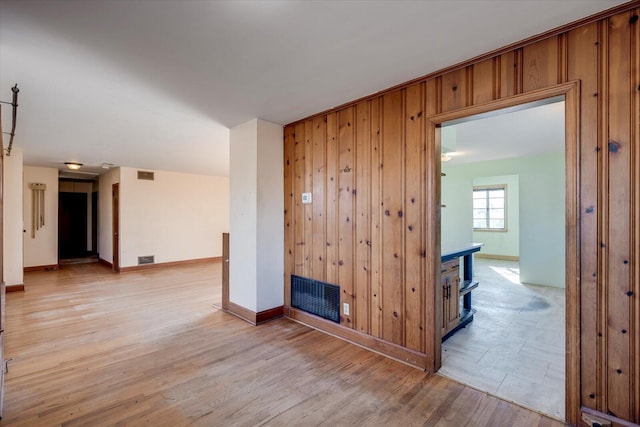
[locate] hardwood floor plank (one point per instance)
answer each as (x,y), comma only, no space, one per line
(149,348)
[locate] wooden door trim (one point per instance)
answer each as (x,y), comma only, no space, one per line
(571,93)
(115,234)
(225,271)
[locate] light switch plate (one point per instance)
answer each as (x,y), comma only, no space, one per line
(345,308)
(306,198)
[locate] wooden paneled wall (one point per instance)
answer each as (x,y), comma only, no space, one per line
(369,167)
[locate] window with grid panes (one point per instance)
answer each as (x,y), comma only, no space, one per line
(490,208)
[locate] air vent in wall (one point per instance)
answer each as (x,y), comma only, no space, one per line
(145,175)
(314,296)
(142,260)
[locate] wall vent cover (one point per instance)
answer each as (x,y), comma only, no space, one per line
(313,296)
(146,175)
(142,260)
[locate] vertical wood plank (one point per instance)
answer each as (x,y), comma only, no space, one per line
(413,211)
(483,81)
(393,217)
(582,64)
(540,64)
(508,73)
(289,213)
(319,141)
(635,264)
(299,183)
(376,219)
(332,200)
(433,290)
(454,90)
(362,196)
(618,244)
(308,188)
(346,173)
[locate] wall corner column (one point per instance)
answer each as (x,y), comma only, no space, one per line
(256,242)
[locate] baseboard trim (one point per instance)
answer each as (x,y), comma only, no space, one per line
(14,288)
(377,345)
(49,267)
(499,257)
(105,262)
(266,315)
(170,264)
(253,317)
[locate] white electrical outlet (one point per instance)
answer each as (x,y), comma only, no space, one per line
(345,308)
(306,198)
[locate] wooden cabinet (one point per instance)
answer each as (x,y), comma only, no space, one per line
(450,280)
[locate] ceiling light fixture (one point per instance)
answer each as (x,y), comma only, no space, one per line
(74,166)
(106,165)
(445,157)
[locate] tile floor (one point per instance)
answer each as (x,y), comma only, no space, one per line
(514,348)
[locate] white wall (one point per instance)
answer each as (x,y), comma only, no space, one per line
(542,220)
(505,243)
(43,249)
(175,217)
(270,243)
(256,241)
(105,225)
(243,203)
(12,218)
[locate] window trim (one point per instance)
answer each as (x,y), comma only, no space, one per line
(505,229)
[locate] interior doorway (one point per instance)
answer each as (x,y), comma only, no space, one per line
(72,225)
(571,255)
(503,187)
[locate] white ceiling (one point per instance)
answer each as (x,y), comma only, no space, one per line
(529,130)
(158,84)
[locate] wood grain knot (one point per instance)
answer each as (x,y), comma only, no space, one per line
(629,293)
(614,146)
(624,331)
(633,19)
(589,209)
(410,228)
(619,371)
(395,314)
(454,88)
(413,200)
(340,263)
(395,255)
(400,214)
(592,395)
(387,213)
(625,261)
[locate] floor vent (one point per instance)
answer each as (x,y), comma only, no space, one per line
(142,260)
(313,296)
(149,176)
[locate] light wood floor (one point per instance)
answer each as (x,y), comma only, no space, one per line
(514,348)
(93,348)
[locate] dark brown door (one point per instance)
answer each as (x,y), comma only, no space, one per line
(72,225)
(94,222)
(225,271)
(116,226)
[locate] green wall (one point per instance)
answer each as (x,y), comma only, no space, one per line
(541,212)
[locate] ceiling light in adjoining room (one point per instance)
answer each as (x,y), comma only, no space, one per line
(74,166)
(445,157)
(106,165)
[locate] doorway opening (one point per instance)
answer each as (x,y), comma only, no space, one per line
(513,271)
(77,221)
